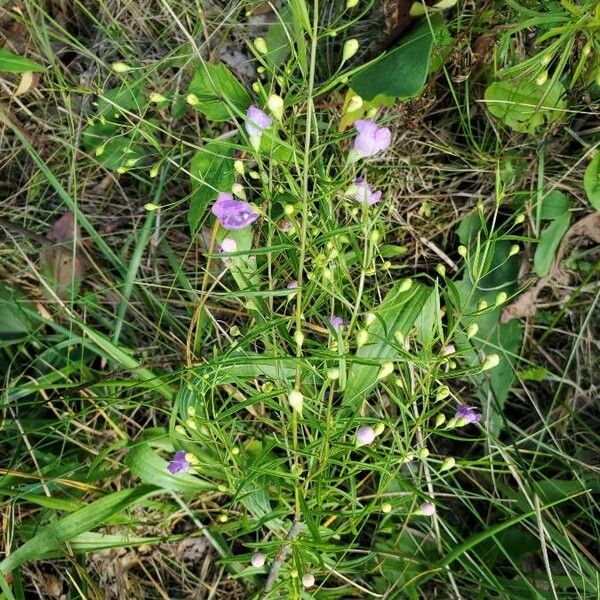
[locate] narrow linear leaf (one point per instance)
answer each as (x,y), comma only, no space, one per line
(13,63)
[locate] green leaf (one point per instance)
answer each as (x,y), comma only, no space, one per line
(550,239)
(13,63)
(554,205)
(591,181)
(218,92)
(146,464)
(526,106)
(211,172)
(125,98)
(14,323)
(120,151)
(402,72)
(53,536)
(398,312)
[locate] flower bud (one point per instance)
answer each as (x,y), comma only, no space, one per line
(179,429)
(222,518)
(482,305)
(379,428)
(351,3)
(441,269)
(157,98)
(150,207)
(192,99)
(355,104)
(238,165)
(261,45)
(449,463)
(405,285)
(294,573)
(333,374)
(443,392)
(423,453)
(491,361)
(365,435)
(120,67)
(361,338)
(289,209)
(462,250)
(296,400)
(542,78)
(154,170)
(386,369)
(370,318)
(427,509)
(275,104)
(191,424)
(545,61)
(308,580)
(514,249)
(299,338)
(238,190)
(440,420)
(258,560)
(350,49)
(375,236)
(472,330)
(386,508)
(399,337)
(501,298)
(519,219)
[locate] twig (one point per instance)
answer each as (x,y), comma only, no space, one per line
(294,532)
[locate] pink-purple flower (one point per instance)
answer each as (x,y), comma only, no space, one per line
(179,463)
(337,322)
(467,414)
(292,285)
(365,435)
(364,194)
(371,138)
(233,214)
(257,121)
(427,509)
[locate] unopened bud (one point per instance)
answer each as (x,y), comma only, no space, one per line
(386,369)
(449,463)
(289,209)
(370,318)
(501,298)
(365,436)
(350,49)
(258,560)
(472,330)
(405,285)
(351,3)
(423,453)
(386,508)
(275,104)
(299,338)
(546,59)
(238,190)
(333,374)
(427,509)
(296,400)
(514,249)
(154,170)
(379,428)
(192,99)
(355,104)
(440,420)
(375,236)
(120,67)
(441,269)
(443,392)
(157,98)
(519,219)
(482,305)
(261,45)
(150,207)
(462,250)
(238,165)
(542,78)
(491,361)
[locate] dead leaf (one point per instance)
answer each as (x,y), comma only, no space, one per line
(61,259)
(527,304)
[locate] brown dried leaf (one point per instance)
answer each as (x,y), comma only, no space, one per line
(61,259)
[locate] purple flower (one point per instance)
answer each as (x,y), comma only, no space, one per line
(365,435)
(179,463)
(337,322)
(258,560)
(363,194)
(467,414)
(257,121)
(292,285)
(371,138)
(427,509)
(233,214)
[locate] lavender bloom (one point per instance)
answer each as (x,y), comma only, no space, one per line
(427,509)
(258,560)
(363,194)
(257,122)
(228,245)
(233,214)
(467,415)
(178,463)
(365,435)
(292,285)
(337,322)
(371,138)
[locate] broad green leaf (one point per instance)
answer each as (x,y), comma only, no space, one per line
(554,205)
(525,106)
(53,536)
(146,464)
(13,63)
(402,72)
(550,239)
(211,172)
(119,152)
(218,92)
(591,181)
(398,312)
(128,97)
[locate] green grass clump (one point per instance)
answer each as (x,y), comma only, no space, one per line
(340,399)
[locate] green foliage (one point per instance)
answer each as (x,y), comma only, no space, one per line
(13,63)
(526,106)
(211,172)
(14,322)
(219,94)
(591,181)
